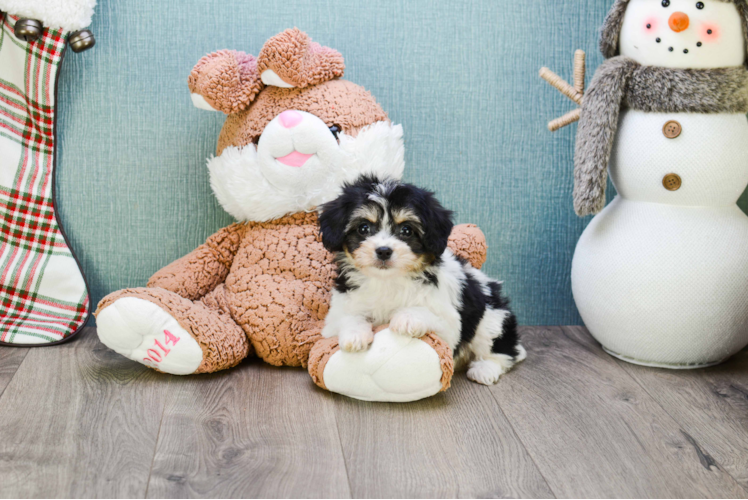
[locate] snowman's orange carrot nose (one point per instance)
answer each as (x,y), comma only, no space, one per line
(679,22)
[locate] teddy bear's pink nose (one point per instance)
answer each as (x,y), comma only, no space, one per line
(290,118)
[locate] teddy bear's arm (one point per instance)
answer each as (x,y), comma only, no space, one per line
(468,242)
(203,269)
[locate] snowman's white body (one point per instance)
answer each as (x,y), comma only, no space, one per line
(660,277)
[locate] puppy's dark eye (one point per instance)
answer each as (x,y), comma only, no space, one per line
(364,229)
(335,130)
(699,5)
(406,231)
(666,3)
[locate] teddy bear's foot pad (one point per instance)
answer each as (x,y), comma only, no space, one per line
(395,368)
(143,332)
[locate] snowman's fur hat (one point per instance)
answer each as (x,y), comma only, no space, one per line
(611,30)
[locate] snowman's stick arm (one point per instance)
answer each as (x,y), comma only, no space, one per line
(560,84)
(580,65)
(575,92)
(567,119)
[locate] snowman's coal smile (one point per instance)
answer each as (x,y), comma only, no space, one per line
(672,48)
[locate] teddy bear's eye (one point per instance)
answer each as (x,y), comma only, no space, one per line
(666,3)
(335,130)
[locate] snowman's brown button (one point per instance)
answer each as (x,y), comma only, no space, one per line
(672,182)
(672,129)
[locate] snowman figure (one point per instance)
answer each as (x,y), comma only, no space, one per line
(660,275)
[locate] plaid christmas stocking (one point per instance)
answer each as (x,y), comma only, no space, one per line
(43,295)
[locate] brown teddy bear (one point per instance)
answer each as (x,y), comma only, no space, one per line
(295,133)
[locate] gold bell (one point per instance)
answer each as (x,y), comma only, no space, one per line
(81,40)
(28,30)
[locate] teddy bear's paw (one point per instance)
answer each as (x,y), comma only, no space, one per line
(396,368)
(468,242)
(142,331)
(356,340)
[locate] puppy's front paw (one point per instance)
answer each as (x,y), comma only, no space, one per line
(409,323)
(485,372)
(330,330)
(357,339)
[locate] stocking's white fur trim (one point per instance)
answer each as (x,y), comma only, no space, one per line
(70,15)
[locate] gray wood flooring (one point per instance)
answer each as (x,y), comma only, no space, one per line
(78,420)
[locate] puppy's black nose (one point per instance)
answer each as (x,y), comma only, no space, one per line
(384,253)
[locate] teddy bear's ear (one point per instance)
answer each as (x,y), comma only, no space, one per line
(225,81)
(291,59)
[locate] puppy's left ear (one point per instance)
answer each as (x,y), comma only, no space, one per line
(333,218)
(437,223)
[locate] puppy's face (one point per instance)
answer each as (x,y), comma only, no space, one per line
(382,238)
(386,228)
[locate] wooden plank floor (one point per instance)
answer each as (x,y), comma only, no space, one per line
(77,420)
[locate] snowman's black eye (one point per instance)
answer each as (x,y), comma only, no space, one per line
(699,5)
(666,3)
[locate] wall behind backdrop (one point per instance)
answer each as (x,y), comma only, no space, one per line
(459,75)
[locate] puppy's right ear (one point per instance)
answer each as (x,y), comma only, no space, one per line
(225,81)
(333,220)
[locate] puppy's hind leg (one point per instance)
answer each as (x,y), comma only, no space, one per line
(496,347)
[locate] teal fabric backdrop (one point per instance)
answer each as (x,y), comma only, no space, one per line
(461,76)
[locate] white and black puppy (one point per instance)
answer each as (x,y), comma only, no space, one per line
(390,240)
